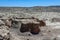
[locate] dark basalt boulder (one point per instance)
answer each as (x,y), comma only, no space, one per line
(42,23)
(24,28)
(35,30)
(30,27)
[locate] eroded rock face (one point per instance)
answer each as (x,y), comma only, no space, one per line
(4,33)
(1,23)
(8,23)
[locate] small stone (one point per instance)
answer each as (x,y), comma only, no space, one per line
(49,31)
(54,39)
(29,35)
(27,39)
(8,39)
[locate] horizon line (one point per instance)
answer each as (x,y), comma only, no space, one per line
(29,6)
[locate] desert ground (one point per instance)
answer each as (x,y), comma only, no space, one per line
(50,15)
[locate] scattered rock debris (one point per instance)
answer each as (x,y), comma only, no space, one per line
(23,26)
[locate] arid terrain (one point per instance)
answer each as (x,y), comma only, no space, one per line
(50,15)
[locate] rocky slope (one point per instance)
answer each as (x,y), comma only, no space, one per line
(31,9)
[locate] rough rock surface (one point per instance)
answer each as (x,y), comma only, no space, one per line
(50,32)
(4,33)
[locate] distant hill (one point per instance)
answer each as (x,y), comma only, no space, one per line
(31,9)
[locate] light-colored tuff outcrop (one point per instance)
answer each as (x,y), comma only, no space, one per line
(4,33)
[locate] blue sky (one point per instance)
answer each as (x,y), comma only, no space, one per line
(29,3)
